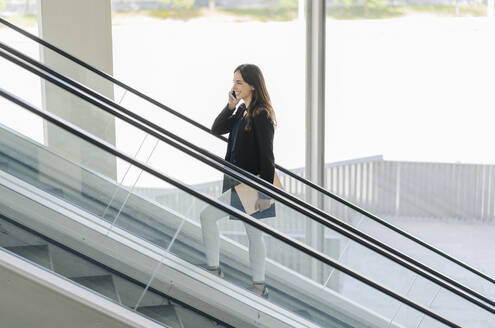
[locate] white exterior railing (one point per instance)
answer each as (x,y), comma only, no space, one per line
(388,188)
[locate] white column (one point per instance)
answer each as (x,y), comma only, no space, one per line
(315,118)
(83,29)
(489,8)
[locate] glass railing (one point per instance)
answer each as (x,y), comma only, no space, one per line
(169,223)
(330,205)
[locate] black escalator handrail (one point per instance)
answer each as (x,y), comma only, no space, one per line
(234,171)
(225,208)
(330,222)
(282,169)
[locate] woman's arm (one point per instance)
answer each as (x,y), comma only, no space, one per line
(264,132)
(224,122)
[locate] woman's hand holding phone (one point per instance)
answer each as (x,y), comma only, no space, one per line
(232,99)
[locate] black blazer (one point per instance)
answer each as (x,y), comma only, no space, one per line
(254,148)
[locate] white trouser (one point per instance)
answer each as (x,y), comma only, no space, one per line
(211,239)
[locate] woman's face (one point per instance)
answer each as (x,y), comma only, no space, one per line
(241,88)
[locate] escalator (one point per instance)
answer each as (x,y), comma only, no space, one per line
(21,161)
(35,188)
(102,198)
(40,202)
(95,276)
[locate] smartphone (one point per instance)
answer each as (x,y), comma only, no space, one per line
(233,95)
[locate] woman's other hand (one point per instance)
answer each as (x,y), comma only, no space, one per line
(262,204)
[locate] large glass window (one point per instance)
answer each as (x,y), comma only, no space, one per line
(409,110)
(410,80)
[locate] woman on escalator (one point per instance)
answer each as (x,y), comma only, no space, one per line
(250,146)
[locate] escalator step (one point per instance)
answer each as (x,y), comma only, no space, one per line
(190,318)
(36,253)
(12,236)
(101,284)
(71,265)
(130,293)
(163,313)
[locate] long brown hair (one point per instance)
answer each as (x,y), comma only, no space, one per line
(260,99)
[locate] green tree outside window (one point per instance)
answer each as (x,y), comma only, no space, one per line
(367,4)
(179,4)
